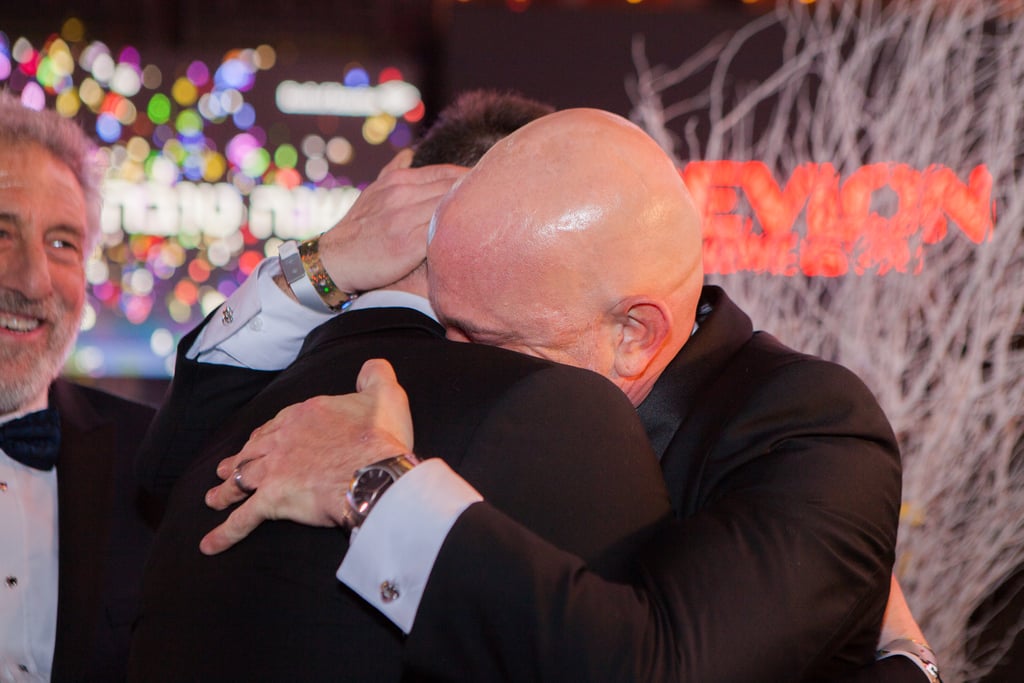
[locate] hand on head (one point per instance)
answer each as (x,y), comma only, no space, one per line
(383,237)
(307,484)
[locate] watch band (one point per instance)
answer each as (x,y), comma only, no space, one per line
(295,274)
(362,496)
(917,652)
(334,298)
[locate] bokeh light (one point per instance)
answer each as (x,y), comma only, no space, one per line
(186,147)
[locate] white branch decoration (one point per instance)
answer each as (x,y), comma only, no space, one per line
(919,82)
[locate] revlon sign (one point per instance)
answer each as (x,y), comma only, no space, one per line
(750,220)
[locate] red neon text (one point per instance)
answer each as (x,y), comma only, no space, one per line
(842,231)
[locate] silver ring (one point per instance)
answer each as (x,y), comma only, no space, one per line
(247,490)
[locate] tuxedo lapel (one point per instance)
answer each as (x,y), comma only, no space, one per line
(672,413)
(85,482)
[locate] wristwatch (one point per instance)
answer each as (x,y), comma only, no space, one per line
(917,652)
(369,484)
(295,273)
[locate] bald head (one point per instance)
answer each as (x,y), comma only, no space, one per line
(573,239)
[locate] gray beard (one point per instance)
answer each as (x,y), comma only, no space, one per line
(25,377)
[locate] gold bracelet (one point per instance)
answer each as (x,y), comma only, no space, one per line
(334,298)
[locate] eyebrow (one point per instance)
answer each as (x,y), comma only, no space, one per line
(17,220)
(10,217)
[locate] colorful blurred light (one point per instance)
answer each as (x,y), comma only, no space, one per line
(188,122)
(152,77)
(198,270)
(245,117)
(376,129)
(286,156)
(161,341)
(91,93)
(256,162)
(184,92)
(210,299)
(172,132)
(390,74)
(67,103)
(214,167)
(287,177)
(415,114)
(186,292)
(130,55)
(33,96)
(127,79)
(401,136)
(23,51)
(198,73)
(339,151)
(264,57)
(73,30)
(234,73)
(239,146)
(136,308)
(316,169)
(103,67)
(248,261)
(88,317)
(356,77)
(159,108)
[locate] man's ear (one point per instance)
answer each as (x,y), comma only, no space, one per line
(645,325)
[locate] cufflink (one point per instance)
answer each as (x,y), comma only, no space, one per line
(389,591)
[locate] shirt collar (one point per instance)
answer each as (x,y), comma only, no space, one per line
(391,298)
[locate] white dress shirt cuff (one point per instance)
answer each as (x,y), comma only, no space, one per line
(259,326)
(396,547)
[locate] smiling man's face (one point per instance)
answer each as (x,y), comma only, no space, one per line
(42,271)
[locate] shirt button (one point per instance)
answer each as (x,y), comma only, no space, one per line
(389,592)
(256,324)
(11,581)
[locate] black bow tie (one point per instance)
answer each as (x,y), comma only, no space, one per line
(33,439)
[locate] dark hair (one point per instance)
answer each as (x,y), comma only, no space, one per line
(469,126)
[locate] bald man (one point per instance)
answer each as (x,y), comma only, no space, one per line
(783,472)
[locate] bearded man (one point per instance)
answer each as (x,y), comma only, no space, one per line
(74,528)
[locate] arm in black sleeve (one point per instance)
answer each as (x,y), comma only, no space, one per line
(781,573)
(200,398)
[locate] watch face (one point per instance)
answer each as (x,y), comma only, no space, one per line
(370,485)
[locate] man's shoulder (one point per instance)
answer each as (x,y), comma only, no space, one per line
(756,361)
(508,368)
(91,403)
(771,367)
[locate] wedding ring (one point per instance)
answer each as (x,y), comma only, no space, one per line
(247,490)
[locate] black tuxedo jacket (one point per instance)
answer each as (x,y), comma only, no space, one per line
(556,448)
(785,481)
(106,524)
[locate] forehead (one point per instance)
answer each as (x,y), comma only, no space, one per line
(29,172)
